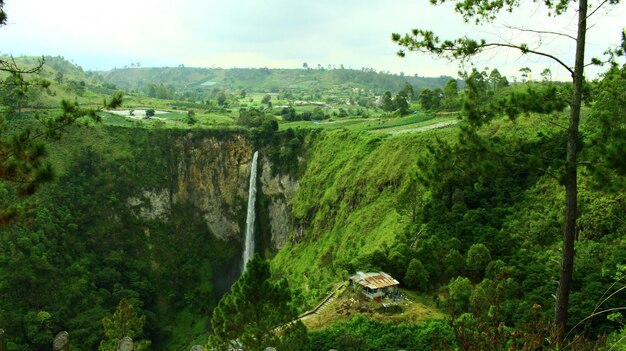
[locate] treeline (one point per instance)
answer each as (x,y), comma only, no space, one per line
(264,79)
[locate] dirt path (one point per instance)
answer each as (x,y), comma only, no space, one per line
(424,128)
(330,298)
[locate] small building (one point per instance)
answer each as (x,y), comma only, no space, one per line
(374,284)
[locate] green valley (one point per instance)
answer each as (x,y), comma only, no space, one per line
(129,196)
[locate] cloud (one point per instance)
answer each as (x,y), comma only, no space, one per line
(273,33)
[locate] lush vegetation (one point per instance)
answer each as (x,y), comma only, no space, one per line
(83,247)
(469,216)
(258,313)
(366,334)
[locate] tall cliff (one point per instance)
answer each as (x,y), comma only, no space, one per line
(152,215)
(211,174)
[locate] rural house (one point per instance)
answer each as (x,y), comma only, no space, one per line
(374,285)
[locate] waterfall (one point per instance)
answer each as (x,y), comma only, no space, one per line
(248,249)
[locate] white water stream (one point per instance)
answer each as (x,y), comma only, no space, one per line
(248,249)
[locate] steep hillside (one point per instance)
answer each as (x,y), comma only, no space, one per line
(360,206)
(355,198)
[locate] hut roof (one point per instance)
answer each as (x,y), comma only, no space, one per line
(374,280)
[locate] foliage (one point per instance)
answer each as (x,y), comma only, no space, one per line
(3,15)
(365,334)
(463,48)
(497,195)
(23,165)
(459,292)
(451,95)
(430,100)
(608,128)
(115,252)
(416,276)
(478,256)
(257,313)
(124,322)
(348,208)
(399,102)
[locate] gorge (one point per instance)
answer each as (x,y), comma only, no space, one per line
(158,216)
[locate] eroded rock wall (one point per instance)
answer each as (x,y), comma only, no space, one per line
(212,173)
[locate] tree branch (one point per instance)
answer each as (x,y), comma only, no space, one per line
(596,9)
(12,66)
(540,31)
(597,62)
(460,48)
(556,124)
(527,50)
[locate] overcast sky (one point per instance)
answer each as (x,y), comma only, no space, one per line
(100,35)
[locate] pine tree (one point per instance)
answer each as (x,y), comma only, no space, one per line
(257,313)
(124,322)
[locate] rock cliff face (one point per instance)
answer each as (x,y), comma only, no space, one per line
(280,189)
(211,174)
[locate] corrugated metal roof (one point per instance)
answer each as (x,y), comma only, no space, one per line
(374,280)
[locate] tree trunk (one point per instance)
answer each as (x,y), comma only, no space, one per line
(571,186)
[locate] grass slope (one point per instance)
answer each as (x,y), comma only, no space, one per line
(349,204)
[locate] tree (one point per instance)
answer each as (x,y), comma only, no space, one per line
(150,112)
(288,114)
(609,126)
(546,75)
(525,71)
(483,296)
(58,77)
(191,118)
(454,263)
(257,313)
(318,114)
(451,94)
(305,65)
(266,99)
(124,322)
(3,15)
(408,91)
(429,99)
(387,102)
(401,104)
(416,275)
(478,257)
(497,80)
(459,292)
(465,47)
(151,90)
(221,98)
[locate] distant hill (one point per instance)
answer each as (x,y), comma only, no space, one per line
(265,79)
(67,81)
